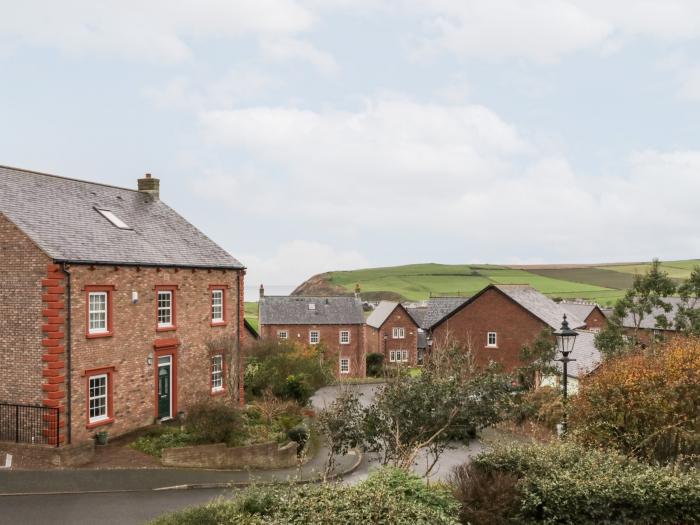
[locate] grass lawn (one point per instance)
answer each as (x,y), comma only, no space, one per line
(251,313)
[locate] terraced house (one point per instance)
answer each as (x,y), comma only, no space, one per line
(114,310)
(336,323)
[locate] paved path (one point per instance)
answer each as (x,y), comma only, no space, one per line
(82,480)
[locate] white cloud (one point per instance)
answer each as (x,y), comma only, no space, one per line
(291,48)
(295,261)
(157,30)
(443,176)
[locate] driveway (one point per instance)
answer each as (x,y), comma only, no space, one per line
(456,454)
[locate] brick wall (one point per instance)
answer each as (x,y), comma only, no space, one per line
(219,456)
(398,319)
(135,340)
(492,311)
(596,320)
(330,337)
(22,267)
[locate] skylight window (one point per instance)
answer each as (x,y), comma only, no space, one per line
(116,221)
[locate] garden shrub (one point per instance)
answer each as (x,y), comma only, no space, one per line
(643,405)
(487,497)
(375,365)
(567,483)
(300,435)
(543,406)
(158,438)
(287,370)
(215,422)
(387,497)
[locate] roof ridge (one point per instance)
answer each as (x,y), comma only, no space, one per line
(25,170)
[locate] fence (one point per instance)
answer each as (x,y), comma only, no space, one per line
(29,424)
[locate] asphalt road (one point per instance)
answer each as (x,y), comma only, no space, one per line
(121,508)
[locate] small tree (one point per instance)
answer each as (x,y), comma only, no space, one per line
(341,426)
(539,356)
(228,345)
(648,293)
(688,314)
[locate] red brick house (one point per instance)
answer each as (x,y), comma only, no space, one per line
(113,308)
(590,313)
(335,322)
(496,322)
(392,332)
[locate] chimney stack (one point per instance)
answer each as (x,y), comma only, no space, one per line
(357,291)
(262,291)
(150,185)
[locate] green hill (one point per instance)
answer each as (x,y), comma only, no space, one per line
(601,283)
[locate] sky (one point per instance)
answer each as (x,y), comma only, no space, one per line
(315,135)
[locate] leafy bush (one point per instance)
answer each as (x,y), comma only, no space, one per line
(287,370)
(567,483)
(300,435)
(387,497)
(543,406)
(643,405)
(215,422)
(487,498)
(155,440)
(375,365)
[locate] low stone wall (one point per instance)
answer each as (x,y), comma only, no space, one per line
(64,456)
(219,456)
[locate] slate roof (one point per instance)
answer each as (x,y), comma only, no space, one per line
(381,313)
(649,321)
(578,310)
(587,356)
(59,215)
(417,313)
(294,309)
(439,308)
(539,305)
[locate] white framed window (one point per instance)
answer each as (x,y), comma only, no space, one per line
(98,401)
(112,217)
(282,334)
(344,337)
(344,365)
(165,308)
(314,336)
(217,373)
(97,313)
(217,306)
(398,356)
(492,339)
(398,333)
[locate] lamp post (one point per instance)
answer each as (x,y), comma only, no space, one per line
(566,338)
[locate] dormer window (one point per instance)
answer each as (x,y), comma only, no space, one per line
(111,217)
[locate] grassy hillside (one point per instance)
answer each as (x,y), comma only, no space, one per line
(603,284)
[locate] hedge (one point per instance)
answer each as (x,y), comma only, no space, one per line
(567,483)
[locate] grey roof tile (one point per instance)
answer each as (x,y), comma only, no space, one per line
(381,313)
(439,307)
(649,321)
(587,356)
(539,305)
(578,309)
(295,309)
(59,215)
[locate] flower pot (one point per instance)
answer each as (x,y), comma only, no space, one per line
(101,437)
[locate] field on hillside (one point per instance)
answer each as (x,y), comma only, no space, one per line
(603,284)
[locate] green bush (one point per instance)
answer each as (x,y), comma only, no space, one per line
(155,440)
(300,435)
(566,483)
(387,497)
(375,365)
(543,406)
(215,422)
(286,370)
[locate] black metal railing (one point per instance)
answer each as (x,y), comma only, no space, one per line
(30,424)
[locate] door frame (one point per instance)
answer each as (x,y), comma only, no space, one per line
(162,352)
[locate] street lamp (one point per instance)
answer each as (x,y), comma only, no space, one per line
(566,338)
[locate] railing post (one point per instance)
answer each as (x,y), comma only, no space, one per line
(58,426)
(16,423)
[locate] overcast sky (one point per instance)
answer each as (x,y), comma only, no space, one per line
(315,135)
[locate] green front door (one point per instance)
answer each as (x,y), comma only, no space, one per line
(164,373)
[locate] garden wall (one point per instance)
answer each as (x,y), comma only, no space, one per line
(68,456)
(219,456)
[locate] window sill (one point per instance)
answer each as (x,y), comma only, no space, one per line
(216,393)
(491,346)
(97,335)
(166,328)
(345,344)
(219,323)
(100,423)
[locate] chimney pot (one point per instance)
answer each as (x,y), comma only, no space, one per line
(149,185)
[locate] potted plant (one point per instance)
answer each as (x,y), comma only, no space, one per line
(101,437)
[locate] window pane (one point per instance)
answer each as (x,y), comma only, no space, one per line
(217,305)
(165,308)
(97,311)
(97,403)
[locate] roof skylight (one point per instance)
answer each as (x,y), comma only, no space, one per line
(116,221)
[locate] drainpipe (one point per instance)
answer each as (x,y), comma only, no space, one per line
(69,369)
